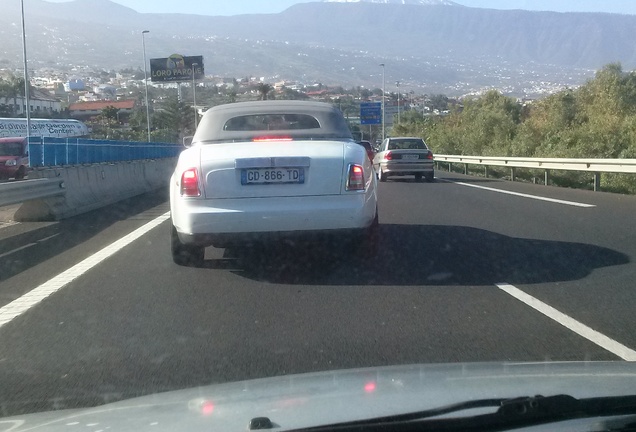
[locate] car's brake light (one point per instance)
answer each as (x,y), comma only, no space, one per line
(388,156)
(272,138)
(430,155)
(190,183)
(355,178)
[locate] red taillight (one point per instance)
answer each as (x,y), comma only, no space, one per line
(207,408)
(388,156)
(190,183)
(370,387)
(355,178)
(430,155)
(272,138)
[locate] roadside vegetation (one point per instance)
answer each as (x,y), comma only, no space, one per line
(596,120)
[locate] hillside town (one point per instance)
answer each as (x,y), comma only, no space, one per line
(117,99)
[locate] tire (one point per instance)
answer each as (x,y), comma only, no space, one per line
(382,175)
(430,177)
(370,242)
(418,177)
(21,173)
(185,255)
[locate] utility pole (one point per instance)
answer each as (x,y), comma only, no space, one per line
(397,83)
(143,41)
(27,103)
(194,96)
(383,93)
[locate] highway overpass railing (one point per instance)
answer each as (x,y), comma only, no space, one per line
(76,151)
(593,166)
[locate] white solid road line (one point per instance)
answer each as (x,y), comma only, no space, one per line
(35,296)
(536,197)
(577,327)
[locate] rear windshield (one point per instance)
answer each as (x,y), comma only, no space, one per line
(267,122)
(10,149)
(407,144)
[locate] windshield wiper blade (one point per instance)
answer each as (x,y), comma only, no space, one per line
(510,414)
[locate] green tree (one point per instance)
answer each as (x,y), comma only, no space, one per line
(11,88)
(289,94)
(486,126)
(110,113)
(413,123)
(439,102)
(264,89)
(173,120)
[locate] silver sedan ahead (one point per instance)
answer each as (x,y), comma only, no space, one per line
(399,156)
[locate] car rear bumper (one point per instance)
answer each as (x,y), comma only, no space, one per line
(8,171)
(406,168)
(204,222)
(230,239)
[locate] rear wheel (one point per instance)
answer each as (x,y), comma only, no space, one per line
(418,177)
(183,254)
(370,242)
(430,177)
(21,173)
(382,176)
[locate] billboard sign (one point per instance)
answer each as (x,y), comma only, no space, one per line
(370,113)
(176,68)
(55,128)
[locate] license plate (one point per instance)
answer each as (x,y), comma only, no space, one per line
(272,175)
(410,156)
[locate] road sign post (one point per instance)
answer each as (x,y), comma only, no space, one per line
(370,113)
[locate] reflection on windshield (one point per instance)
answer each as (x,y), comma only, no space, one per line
(271,122)
(10,149)
(406,144)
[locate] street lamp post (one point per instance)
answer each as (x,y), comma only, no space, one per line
(143,42)
(397,83)
(383,93)
(194,96)
(27,103)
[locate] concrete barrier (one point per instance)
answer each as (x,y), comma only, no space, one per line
(89,187)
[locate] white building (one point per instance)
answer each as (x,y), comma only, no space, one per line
(39,101)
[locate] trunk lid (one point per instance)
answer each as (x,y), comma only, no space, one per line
(272,169)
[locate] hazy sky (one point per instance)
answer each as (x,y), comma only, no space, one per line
(235,7)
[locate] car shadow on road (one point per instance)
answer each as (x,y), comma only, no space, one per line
(422,255)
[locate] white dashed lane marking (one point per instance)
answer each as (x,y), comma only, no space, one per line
(577,327)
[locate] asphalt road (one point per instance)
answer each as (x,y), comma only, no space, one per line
(448,285)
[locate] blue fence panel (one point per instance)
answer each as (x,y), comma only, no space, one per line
(71,151)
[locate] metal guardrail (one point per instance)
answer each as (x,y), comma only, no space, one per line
(595,166)
(20,191)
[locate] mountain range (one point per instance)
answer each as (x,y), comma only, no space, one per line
(426,44)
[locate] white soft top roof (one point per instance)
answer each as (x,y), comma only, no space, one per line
(212,128)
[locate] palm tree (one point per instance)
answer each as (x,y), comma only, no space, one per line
(264,89)
(10,89)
